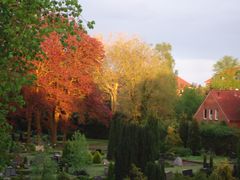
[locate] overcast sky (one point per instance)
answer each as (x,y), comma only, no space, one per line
(200,31)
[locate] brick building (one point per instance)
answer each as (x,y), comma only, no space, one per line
(220,105)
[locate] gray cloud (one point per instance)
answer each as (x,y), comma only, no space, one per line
(197,29)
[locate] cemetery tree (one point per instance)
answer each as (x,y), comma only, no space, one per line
(137,79)
(21,33)
(227,62)
(188,103)
(66,74)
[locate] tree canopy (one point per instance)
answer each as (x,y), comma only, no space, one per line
(227,62)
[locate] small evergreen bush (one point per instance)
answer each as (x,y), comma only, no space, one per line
(97,158)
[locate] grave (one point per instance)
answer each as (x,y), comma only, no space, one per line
(187,172)
(10,171)
(178,162)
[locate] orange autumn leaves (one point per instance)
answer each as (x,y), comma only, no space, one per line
(65,75)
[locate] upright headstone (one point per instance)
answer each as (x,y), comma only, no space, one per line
(178,161)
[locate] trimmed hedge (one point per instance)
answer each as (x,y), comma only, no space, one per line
(219,138)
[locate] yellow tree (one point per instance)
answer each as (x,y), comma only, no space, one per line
(131,75)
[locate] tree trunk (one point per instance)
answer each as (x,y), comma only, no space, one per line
(113,95)
(54,123)
(38,125)
(29,125)
(65,127)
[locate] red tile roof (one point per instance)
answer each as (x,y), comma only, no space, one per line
(229,101)
(181,83)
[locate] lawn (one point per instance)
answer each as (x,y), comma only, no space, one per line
(178,169)
(98,144)
(95,170)
(216,159)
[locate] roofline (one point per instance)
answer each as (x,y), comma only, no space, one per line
(210,92)
(221,109)
(202,104)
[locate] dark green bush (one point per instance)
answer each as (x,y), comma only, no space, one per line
(181,151)
(30,147)
(97,158)
(219,138)
(63,176)
(111,174)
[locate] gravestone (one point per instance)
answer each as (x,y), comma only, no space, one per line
(105,162)
(10,171)
(178,162)
(187,172)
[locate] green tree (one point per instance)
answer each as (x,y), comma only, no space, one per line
(165,53)
(238,161)
(227,62)
(194,141)
(114,134)
(5,143)
(155,171)
(226,79)
(76,152)
(23,25)
(188,103)
(184,130)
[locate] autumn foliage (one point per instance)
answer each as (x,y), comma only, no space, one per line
(64,82)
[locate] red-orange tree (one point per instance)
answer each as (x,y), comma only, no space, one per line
(66,73)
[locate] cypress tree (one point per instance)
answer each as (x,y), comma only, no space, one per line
(194,137)
(114,134)
(238,161)
(184,130)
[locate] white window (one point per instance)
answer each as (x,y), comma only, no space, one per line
(210,114)
(216,114)
(205,114)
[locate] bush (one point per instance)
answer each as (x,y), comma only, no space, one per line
(181,151)
(43,167)
(222,172)
(30,147)
(76,152)
(111,174)
(17,147)
(63,176)
(97,158)
(136,173)
(219,138)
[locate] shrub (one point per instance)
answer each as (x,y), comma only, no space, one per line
(43,167)
(30,147)
(76,152)
(63,176)
(97,158)
(136,173)
(222,172)
(111,174)
(219,138)
(181,151)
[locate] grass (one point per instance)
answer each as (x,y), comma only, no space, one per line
(95,170)
(216,159)
(178,169)
(98,144)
